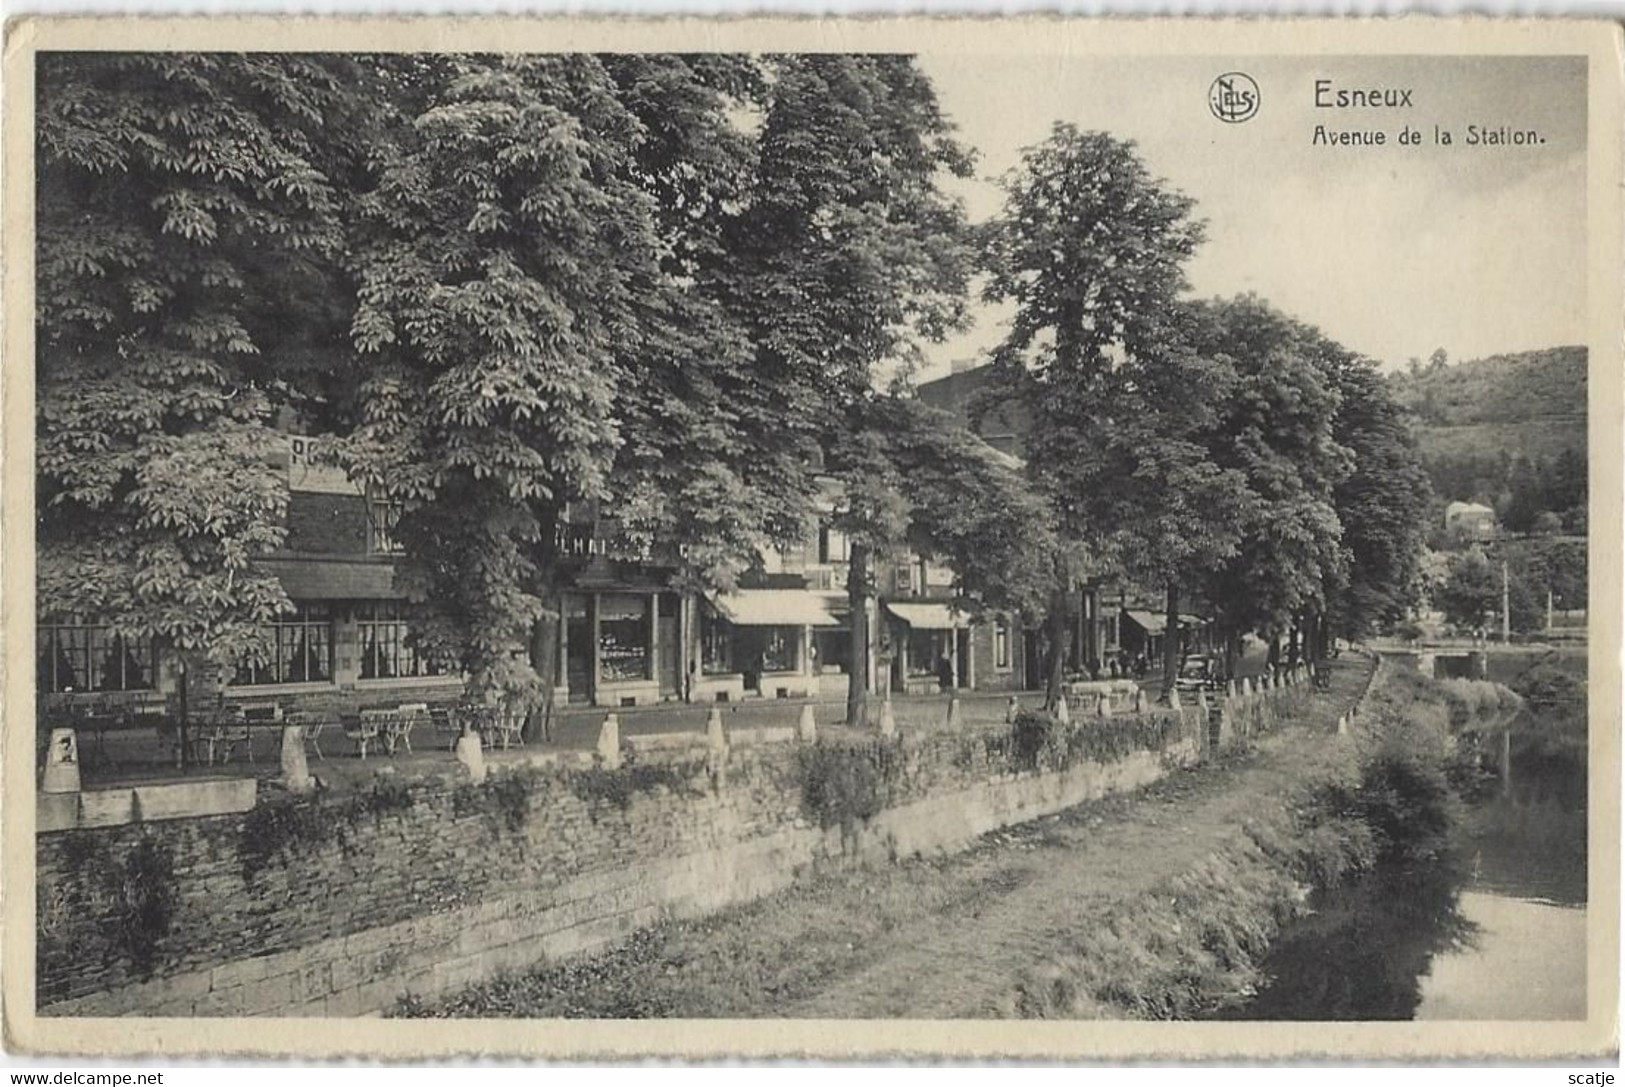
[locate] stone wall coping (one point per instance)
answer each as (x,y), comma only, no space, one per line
(149,802)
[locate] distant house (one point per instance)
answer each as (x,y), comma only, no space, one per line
(982,400)
(1469,519)
(1000,421)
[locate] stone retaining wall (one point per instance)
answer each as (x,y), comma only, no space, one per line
(341,905)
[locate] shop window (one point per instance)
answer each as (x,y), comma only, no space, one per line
(716,645)
(793,558)
(80,657)
(781,649)
(834,650)
(833,546)
(623,636)
(1001,645)
(301,649)
(383,520)
(388,650)
(926,651)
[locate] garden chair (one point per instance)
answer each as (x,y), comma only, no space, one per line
(399,731)
(155,715)
(484,720)
(225,731)
(367,727)
(508,726)
(448,724)
(310,724)
(95,717)
(261,716)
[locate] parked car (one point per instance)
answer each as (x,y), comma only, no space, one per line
(1197,674)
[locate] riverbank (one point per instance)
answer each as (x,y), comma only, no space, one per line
(1159,904)
(1495,928)
(1214,852)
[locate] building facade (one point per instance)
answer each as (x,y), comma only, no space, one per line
(624,638)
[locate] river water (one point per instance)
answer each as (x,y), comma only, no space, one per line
(1498,934)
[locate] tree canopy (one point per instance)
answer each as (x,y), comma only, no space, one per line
(670,297)
(185,204)
(1091,250)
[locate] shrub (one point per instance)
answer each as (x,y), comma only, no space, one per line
(1477,703)
(844,784)
(1039,740)
(137,893)
(599,785)
(1405,793)
(274,830)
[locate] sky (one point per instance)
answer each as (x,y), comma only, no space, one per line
(1394,251)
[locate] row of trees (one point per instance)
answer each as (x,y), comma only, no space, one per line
(668,287)
(1522,577)
(1219,450)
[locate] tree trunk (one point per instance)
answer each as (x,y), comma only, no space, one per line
(1170,642)
(1060,642)
(543,650)
(1232,652)
(544,660)
(183,726)
(1275,652)
(857,675)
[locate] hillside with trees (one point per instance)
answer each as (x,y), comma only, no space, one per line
(1512,388)
(1508,431)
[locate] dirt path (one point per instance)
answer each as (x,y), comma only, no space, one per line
(942,938)
(1060,872)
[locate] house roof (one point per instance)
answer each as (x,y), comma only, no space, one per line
(775,608)
(928,616)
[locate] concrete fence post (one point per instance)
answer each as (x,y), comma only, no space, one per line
(953,714)
(888,721)
(716,750)
(609,742)
(1062,714)
(806,728)
(61,763)
(1103,704)
(1173,699)
(295,770)
(471,755)
(1139,700)
(1011,710)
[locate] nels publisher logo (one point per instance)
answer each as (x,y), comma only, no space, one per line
(1233,98)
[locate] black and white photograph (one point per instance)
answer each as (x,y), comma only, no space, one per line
(987,524)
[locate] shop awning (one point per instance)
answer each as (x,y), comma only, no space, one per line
(1149,621)
(929,616)
(306,579)
(775,608)
(1155,623)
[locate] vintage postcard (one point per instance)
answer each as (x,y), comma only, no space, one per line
(1044,538)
